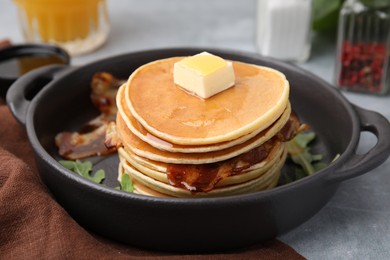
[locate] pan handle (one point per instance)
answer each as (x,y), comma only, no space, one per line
(356,165)
(24,89)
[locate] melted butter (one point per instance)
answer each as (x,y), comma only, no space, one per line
(204,63)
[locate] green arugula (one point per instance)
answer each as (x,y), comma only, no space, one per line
(84,169)
(126,183)
(299,152)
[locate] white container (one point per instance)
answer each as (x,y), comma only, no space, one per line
(284,29)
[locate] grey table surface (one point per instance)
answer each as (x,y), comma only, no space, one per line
(355,224)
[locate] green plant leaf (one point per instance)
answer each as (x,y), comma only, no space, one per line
(126,183)
(376,3)
(304,139)
(68,164)
(325,14)
(299,152)
(84,169)
(99,176)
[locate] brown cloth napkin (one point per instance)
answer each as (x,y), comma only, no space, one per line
(34,226)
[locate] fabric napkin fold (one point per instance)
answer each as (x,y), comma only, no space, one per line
(34,226)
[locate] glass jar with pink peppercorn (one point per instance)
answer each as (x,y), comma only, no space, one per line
(363,46)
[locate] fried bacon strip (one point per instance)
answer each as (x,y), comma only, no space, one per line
(112,141)
(203,178)
(77,145)
(104,87)
(89,140)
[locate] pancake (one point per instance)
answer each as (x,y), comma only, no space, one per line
(143,149)
(175,144)
(144,190)
(138,130)
(258,98)
(239,176)
(139,188)
(267,180)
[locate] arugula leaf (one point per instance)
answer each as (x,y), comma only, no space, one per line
(84,169)
(126,183)
(99,176)
(299,152)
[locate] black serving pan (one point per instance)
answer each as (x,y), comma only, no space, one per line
(202,224)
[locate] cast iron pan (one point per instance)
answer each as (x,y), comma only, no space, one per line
(192,225)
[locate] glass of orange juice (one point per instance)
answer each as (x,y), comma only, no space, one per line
(79,26)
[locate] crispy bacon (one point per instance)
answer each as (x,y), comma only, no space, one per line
(90,139)
(104,87)
(203,178)
(291,128)
(77,145)
(112,140)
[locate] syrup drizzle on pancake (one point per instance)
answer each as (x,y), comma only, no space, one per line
(204,177)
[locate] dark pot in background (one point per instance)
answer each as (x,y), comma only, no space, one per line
(19,59)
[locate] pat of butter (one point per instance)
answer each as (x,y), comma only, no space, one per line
(204,74)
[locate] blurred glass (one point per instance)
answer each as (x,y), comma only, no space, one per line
(79,26)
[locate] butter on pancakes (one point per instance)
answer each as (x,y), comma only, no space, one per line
(177,144)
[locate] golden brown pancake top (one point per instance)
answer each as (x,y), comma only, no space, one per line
(258,98)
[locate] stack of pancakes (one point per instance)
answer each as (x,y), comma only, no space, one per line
(177,144)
